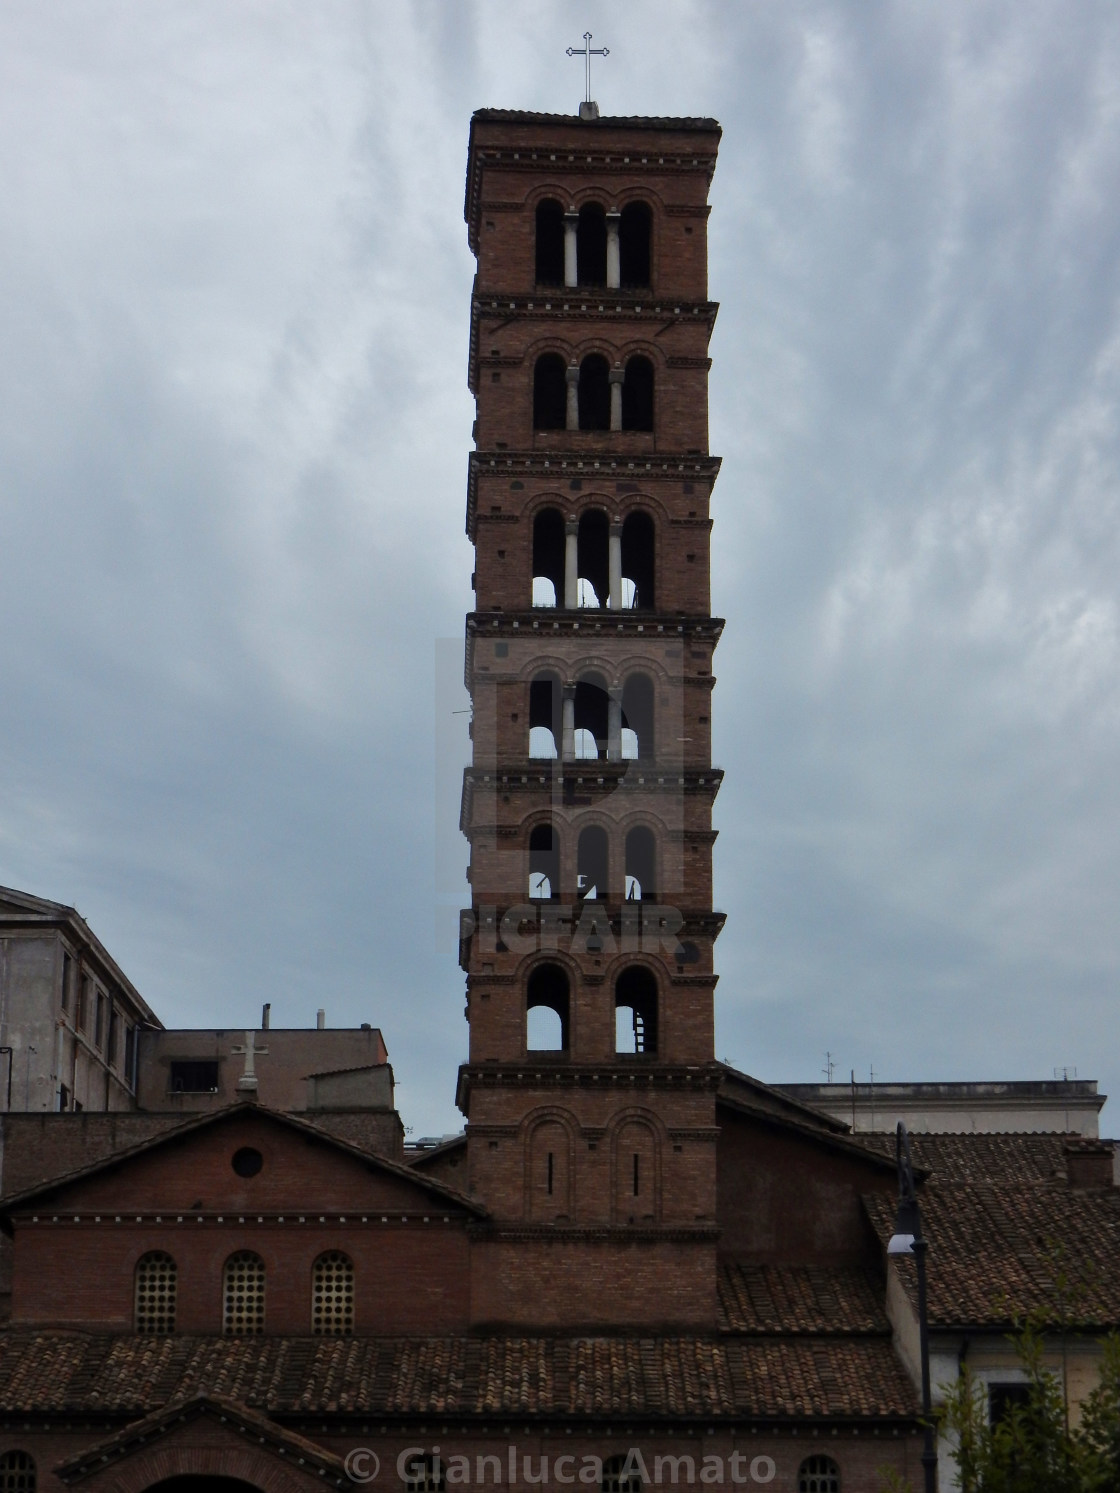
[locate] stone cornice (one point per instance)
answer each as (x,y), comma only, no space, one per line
(605,779)
(638,1074)
(564,465)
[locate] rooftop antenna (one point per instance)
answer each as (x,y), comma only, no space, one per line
(588,109)
(829,1067)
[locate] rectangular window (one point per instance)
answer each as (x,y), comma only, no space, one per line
(130,1054)
(194,1076)
(1003,1398)
(114,1035)
(63,1099)
(99,1021)
(66,961)
(83,1003)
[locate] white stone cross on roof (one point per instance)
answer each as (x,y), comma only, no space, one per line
(248,1080)
(587,51)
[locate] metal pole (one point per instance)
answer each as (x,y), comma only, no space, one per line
(909,1222)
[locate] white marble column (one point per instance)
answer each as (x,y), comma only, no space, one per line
(571,374)
(571,264)
(614,723)
(617,377)
(568,724)
(614,566)
(571,562)
(614,259)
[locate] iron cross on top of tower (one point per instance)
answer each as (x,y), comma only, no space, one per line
(588,109)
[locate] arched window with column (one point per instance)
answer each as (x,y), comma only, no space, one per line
(818,1475)
(591,244)
(547,1010)
(595,393)
(591,718)
(638,562)
(548,558)
(550,393)
(634,246)
(637,394)
(637,718)
(545,717)
(544,863)
(155,1285)
(549,244)
(17,1472)
(641,864)
(592,863)
(593,558)
(635,1003)
(243,1295)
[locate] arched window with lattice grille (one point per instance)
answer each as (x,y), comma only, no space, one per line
(243,1295)
(154,1296)
(17,1473)
(818,1475)
(616,1477)
(332,1295)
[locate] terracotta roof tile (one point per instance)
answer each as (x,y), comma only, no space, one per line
(784,1299)
(980,1157)
(704,1377)
(996,1251)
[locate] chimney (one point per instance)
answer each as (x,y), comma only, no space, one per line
(1088,1162)
(266,1013)
(320,1019)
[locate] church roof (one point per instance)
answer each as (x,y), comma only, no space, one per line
(659,1378)
(616,121)
(979,1156)
(783,1300)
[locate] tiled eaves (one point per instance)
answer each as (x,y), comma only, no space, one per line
(602,465)
(792,1300)
(979,1156)
(663,1378)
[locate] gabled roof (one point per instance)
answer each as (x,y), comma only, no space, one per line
(785,1300)
(999,1251)
(659,1378)
(371,1159)
(742,1087)
(817,1135)
(981,1156)
(266,1436)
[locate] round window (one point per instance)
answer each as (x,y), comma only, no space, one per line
(248,1161)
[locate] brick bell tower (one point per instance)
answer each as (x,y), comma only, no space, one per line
(588,947)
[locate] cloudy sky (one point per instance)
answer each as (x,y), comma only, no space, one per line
(234,425)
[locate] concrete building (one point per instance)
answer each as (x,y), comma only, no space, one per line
(1071,1105)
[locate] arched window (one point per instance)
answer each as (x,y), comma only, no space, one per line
(592,863)
(592,710)
(635,1000)
(550,397)
(594,393)
(545,706)
(550,243)
(544,863)
(547,991)
(154,1287)
(637,395)
(548,558)
(641,864)
(425,1473)
(17,1473)
(243,1294)
(593,558)
(591,245)
(332,1295)
(633,245)
(637,562)
(549,1176)
(635,1167)
(637,718)
(818,1475)
(615,1480)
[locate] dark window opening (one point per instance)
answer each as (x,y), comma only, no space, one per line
(546,991)
(425,1474)
(592,707)
(550,1174)
(544,863)
(591,245)
(818,1475)
(640,864)
(130,1051)
(63,1099)
(637,1183)
(593,559)
(66,964)
(82,1009)
(637,395)
(633,246)
(637,718)
(99,1021)
(550,399)
(1003,1399)
(114,1034)
(637,562)
(594,393)
(550,243)
(616,1481)
(548,559)
(592,863)
(194,1076)
(247,1161)
(635,998)
(545,716)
